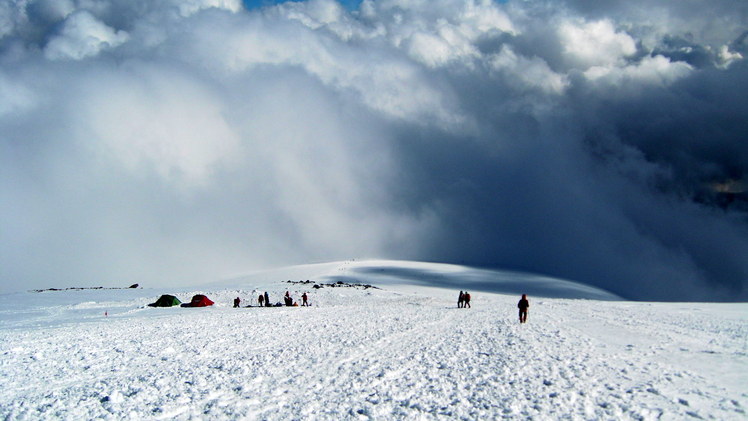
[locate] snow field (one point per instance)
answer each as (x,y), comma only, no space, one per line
(383,354)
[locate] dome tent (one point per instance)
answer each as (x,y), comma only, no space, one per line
(166,301)
(199,301)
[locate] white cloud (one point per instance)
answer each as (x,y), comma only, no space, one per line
(82,35)
(383,79)
(657,70)
(434,50)
(152,119)
(595,43)
(529,72)
(313,13)
(437,39)
(726,57)
(190,7)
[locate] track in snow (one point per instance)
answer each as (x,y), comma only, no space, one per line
(381,354)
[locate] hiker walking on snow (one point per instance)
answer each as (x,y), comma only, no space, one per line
(236,302)
(460,300)
(304,302)
(466,300)
(523,306)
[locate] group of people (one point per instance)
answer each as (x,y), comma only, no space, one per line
(264,301)
(288,301)
(463,300)
(523,305)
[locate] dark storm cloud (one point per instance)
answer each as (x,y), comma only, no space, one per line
(183,141)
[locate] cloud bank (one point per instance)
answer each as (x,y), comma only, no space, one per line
(167,142)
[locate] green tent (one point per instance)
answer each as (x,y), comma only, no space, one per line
(166,301)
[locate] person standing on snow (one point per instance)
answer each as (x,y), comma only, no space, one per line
(466,300)
(237,300)
(261,300)
(523,306)
(304,302)
(267,299)
(460,300)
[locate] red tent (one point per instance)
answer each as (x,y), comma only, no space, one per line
(199,301)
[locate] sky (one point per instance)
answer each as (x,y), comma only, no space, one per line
(174,142)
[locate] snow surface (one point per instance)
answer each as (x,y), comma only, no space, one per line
(399,351)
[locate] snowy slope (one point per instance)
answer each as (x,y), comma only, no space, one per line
(400,352)
(396,272)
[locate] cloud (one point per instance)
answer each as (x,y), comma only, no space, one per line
(528,72)
(82,35)
(148,117)
(657,70)
(595,43)
(173,142)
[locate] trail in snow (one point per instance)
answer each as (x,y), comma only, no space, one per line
(381,354)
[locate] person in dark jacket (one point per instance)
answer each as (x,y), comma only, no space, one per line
(466,300)
(261,300)
(267,300)
(237,300)
(304,297)
(523,306)
(460,300)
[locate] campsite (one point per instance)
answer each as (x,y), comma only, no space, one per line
(399,349)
